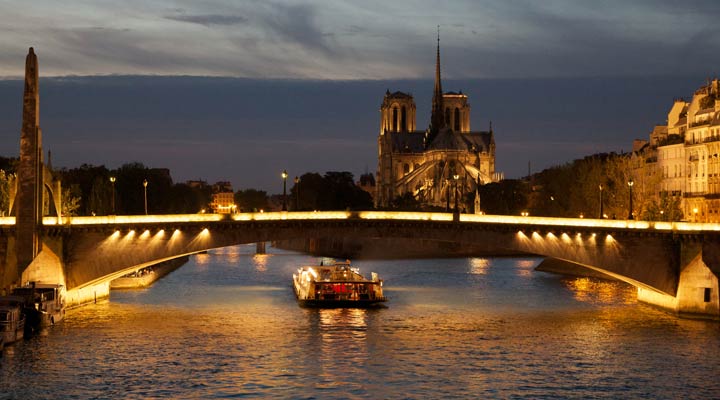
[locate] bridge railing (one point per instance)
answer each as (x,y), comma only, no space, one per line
(382,215)
(378,215)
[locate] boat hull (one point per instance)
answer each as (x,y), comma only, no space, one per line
(341,303)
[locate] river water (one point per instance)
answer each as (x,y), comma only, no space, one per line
(226,325)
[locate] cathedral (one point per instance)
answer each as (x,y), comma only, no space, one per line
(438,166)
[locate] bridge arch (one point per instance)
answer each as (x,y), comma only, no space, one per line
(649,255)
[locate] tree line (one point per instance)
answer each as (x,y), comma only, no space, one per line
(573,189)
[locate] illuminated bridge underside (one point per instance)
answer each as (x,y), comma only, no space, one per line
(95,249)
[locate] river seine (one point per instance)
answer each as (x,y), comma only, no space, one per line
(226,325)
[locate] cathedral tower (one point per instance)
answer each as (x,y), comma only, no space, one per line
(437,118)
(457,112)
(397,113)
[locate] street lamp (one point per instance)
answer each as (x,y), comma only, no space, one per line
(284,176)
(456,215)
(630,185)
(297,193)
(112,202)
(145,191)
(601,201)
(447,198)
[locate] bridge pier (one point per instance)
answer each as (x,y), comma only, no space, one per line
(697,292)
(87,294)
(260,248)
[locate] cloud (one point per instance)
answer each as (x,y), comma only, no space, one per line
(295,23)
(373,39)
(210,19)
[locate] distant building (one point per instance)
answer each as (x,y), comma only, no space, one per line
(367,183)
(223,198)
(686,154)
(198,184)
(425,163)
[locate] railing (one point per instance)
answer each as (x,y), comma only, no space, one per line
(699,123)
(9,326)
(516,221)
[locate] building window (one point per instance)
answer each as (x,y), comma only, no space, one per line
(406,168)
(394,120)
(457,119)
(706,294)
(403,120)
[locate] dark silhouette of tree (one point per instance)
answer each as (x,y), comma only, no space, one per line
(333,191)
(508,197)
(406,202)
(93,187)
(250,200)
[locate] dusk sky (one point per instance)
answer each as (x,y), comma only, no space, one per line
(239,90)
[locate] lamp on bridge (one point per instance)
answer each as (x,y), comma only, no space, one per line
(456,213)
(284,176)
(112,201)
(297,193)
(145,192)
(601,201)
(630,185)
(447,195)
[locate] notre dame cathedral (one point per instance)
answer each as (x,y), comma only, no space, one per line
(437,164)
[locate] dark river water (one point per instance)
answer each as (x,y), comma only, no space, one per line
(226,325)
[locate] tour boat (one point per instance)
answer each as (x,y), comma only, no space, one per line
(44,304)
(336,284)
(12,320)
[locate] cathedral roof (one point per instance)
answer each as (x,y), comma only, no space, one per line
(408,142)
(398,95)
(446,139)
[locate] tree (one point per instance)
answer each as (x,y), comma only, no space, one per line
(4,192)
(406,202)
(251,200)
(70,201)
(507,197)
(184,199)
(333,191)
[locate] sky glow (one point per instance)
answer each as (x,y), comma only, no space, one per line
(359,40)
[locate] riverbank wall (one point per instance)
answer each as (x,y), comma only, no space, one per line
(389,248)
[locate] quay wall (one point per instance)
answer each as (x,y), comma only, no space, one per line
(389,248)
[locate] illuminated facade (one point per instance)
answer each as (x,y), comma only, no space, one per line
(686,154)
(430,164)
(223,198)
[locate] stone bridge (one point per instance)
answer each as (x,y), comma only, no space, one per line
(673,265)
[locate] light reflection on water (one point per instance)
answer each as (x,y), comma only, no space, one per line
(227,325)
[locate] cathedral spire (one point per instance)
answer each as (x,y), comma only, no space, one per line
(437,119)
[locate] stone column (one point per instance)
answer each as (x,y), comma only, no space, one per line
(28,204)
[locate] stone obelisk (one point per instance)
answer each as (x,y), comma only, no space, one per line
(28,207)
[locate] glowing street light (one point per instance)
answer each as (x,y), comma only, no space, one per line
(456,214)
(112,202)
(630,185)
(145,191)
(297,193)
(447,198)
(284,177)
